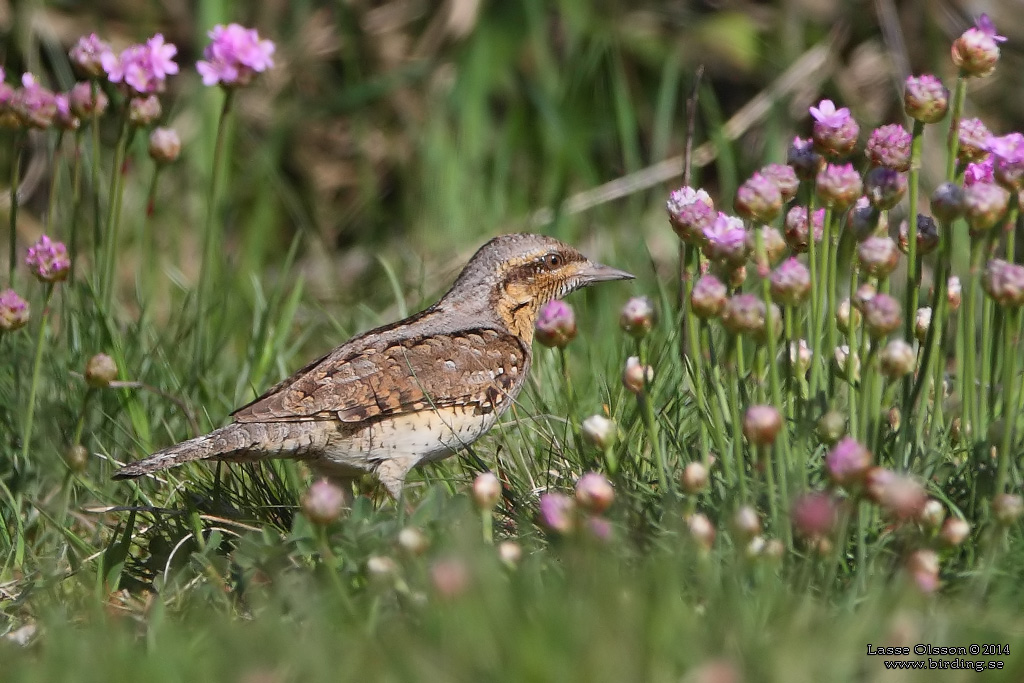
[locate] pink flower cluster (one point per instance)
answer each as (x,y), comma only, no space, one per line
(235,56)
(143,68)
(48,260)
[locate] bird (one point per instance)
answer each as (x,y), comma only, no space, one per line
(411,392)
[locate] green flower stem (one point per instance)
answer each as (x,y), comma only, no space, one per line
(913,271)
(97,235)
(953,137)
(16,146)
(717,402)
(26,432)
(651,425)
(813,318)
(1011,353)
(76,199)
(828,280)
(147,237)
(111,236)
(487,524)
(51,205)
(80,426)
(933,358)
(989,346)
(211,231)
(851,342)
(737,426)
(690,268)
(869,416)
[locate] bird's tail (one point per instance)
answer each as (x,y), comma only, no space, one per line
(228,440)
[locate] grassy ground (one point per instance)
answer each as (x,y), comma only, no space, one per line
(361,172)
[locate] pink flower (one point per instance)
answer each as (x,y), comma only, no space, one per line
(87,55)
(143,68)
(556,324)
(48,260)
(826,113)
(234,56)
(726,240)
(980,172)
(14,311)
(34,104)
(557,513)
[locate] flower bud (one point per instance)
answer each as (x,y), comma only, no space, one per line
(932,514)
(800,357)
(976,51)
(48,260)
(1007,508)
(803,159)
(100,371)
(1008,160)
(984,206)
(884,187)
(486,491)
(636,376)
(790,283)
(848,462)
(557,513)
(864,220)
(746,523)
(773,244)
(889,147)
(1004,282)
(747,314)
(87,55)
(900,496)
(726,241)
(701,530)
(973,137)
(164,145)
(381,569)
(897,359)
(413,541)
(948,202)
(690,211)
(784,178)
(450,577)
(815,515)
(556,324)
(761,424)
(758,199)
(839,185)
(599,431)
(925,98)
(846,365)
(835,131)
(510,553)
(865,293)
(882,315)
(637,317)
(878,256)
(708,297)
(954,531)
(14,311)
(922,322)
(594,493)
(922,567)
(797,233)
(831,426)
(927,236)
(84,104)
(323,502)
(76,458)
(694,478)
(144,111)
(847,317)
(953,292)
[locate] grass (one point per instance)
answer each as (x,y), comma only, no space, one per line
(213,572)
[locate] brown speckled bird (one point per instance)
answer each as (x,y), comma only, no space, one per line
(411,392)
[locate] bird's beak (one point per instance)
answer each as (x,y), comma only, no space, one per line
(595,272)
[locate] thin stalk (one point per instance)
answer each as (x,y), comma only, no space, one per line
(16,146)
(913,270)
(953,137)
(813,326)
(851,343)
(51,205)
(1009,414)
(737,426)
(147,237)
(211,233)
(693,350)
(26,432)
(97,235)
(828,280)
(76,198)
(971,349)
(111,238)
(651,425)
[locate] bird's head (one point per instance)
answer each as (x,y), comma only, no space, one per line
(517,274)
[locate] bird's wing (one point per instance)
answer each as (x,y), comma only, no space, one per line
(480,367)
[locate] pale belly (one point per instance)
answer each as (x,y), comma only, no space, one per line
(412,439)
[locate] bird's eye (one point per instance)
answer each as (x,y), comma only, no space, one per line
(553,260)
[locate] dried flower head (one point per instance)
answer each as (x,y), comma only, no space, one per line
(234,56)
(100,371)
